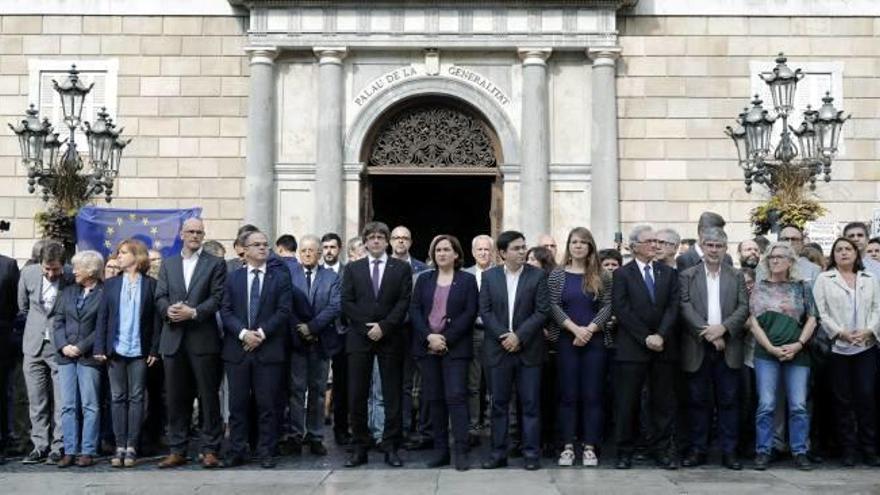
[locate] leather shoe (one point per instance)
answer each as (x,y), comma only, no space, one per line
(801,462)
(462,463)
(848,459)
(66,461)
(357,457)
(85,461)
(317,448)
(232,461)
(532,464)
(693,459)
(268,462)
(761,462)
(871,459)
(210,461)
(494,463)
(667,462)
(731,462)
(438,459)
(393,459)
(623,463)
(171,461)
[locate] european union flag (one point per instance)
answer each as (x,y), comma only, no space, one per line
(102,229)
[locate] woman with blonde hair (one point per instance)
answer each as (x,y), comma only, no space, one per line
(127,337)
(580,305)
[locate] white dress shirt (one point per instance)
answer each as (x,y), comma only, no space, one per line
(48,294)
(512,283)
(713,296)
(642,270)
(478,272)
(189,266)
(250,280)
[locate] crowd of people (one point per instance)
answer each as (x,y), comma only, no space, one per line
(651,351)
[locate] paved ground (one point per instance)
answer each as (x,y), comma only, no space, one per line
(311,475)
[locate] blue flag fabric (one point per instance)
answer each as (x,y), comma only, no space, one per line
(102,229)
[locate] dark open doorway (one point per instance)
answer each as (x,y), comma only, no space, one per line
(429,205)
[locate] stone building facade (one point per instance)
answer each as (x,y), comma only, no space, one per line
(309,116)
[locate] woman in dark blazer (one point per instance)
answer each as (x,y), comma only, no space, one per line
(79,373)
(442,312)
(127,337)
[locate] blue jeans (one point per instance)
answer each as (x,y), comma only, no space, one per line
(795,379)
(79,395)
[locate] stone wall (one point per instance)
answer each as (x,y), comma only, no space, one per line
(182,96)
(681,80)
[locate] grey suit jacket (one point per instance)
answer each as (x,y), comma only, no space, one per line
(30,295)
(694,314)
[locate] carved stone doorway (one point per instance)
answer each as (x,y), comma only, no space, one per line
(433,165)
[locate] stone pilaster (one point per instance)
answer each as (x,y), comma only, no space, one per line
(329,191)
(535,144)
(259,190)
(605,187)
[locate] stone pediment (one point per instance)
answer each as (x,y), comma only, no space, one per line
(556,24)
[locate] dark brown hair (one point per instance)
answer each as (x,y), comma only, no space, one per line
(456,247)
(832,261)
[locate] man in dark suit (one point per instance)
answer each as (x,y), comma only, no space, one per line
(256,312)
(514,304)
(314,341)
(331,247)
(645,301)
(188,296)
(9,274)
(714,307)
(375,299)
(694,255)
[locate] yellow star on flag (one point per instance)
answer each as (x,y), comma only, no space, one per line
(157,244)
(132,217)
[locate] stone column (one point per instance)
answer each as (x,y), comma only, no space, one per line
(604,182)
(535,144)
(259,182)
(329,192)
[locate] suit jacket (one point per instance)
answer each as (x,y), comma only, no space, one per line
(694,314)
(531,308)
(77,327)
(205,294)
(461,311)
(108,318)
(692,258)
(30,303)
(273,316)
(638,317)
(360,306)
(324,304)
(9,275)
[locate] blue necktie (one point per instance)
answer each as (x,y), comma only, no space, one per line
(254,303)
(649,282)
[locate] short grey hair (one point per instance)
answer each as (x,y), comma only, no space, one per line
(91,261)
(310,238)
(716,234)
(788,252)
(482,237)
(637,231)
(671,234)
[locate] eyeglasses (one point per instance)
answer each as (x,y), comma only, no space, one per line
(258,244)
(399,238)
(665,243)
(650,241)
(790,239)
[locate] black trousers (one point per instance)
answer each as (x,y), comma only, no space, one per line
(264,380)
(629,378)
(444,388)
(187,376)
(360,366)
(339,363)
(854,379)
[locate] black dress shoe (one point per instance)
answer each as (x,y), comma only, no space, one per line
(342,439)
(494,463)
(693,459)
(532,463)
(393,459)
(317,448)
(848,459)
(623,462)
(462,463)
(667,462)
(357,457)
(731,462)
(802,462)
(438,459)
(268,462)
(871,459)
(232,461)
(761,462)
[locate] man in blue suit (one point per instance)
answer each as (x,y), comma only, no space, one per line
(256,313)
(314,341)
(514,303)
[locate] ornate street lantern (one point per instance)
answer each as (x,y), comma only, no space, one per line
(829,120)
(783,83)
(32,137)
(758,124)
(73,95)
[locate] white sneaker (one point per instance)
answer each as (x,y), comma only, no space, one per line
(590,458)
(566,458)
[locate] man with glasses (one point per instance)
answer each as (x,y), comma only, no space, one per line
(645,299)
(694,255)
(795,238)
(188,295)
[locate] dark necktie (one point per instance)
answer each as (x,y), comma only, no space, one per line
(376,277)
(649,282)
(308,281)
(254,303)
(80,301)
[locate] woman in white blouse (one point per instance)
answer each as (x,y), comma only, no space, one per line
(848,300)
